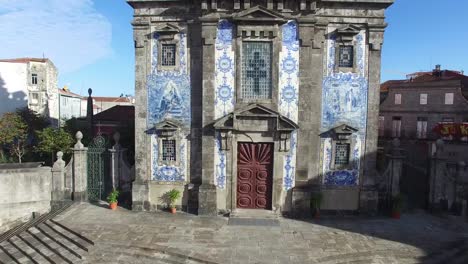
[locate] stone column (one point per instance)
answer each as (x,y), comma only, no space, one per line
(207,191)
(374,66)
(116,154)
(143,56)
(58,182)
(369,195)
(396,167)
(312,38)
(437,170)
(80,170)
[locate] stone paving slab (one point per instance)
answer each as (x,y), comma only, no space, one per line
(124,236)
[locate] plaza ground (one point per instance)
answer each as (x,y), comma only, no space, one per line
(124,236)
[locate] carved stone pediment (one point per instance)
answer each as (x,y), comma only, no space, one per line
(340,132)
(256,117)
(347,33)
(166,128)
(259,14)
(167,28)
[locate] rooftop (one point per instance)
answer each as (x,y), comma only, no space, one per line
(25,60)
(435,75)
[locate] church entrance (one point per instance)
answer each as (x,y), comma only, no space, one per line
(254,175)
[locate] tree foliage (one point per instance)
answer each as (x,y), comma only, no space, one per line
(34,121)
(52,140)
(14,135)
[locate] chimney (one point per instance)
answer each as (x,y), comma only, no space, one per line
(437,72)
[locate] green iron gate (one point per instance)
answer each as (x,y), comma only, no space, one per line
(98,168)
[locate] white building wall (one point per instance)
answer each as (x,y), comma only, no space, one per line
(13,86)
(17,89)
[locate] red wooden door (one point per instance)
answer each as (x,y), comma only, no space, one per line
(254,175)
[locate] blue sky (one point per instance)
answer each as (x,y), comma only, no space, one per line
(91,41)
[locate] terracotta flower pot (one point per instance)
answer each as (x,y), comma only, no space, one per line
(173,210)
(113,206)
(396,215)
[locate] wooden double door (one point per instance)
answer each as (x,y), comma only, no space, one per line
(254,175)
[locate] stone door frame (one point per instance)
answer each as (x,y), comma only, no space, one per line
(277,168)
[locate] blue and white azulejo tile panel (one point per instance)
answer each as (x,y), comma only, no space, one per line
(220,163)
(344,101)
(341,177)
(169,91)
(225,70)
(166,173)
(224,91)
(289,94)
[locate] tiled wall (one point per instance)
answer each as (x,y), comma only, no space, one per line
(169,98)
(344,101)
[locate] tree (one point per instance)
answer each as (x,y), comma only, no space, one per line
(52,140)
(35,122)
(13,135)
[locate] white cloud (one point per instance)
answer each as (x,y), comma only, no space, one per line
(69,32)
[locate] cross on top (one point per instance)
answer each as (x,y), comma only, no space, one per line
(257,71)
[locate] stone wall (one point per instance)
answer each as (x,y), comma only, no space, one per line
(22,192)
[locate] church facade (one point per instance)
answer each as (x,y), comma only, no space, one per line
(256,104)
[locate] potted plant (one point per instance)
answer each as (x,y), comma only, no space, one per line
(315,202)
(397,203)
(112,199)
(172,196)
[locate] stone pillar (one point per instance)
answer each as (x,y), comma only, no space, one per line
(369,195)
(437,170)
(59,194)
(143,58)
(312,38)
(116,155)
(207,204)
(396,167)
(80,170)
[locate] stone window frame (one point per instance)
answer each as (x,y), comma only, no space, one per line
(352,144)
(449,102)
(169,41)
(37,100)
(245,42)
(421,127)
(381,131)
(34,78)
(343,43)
(171,163)
(398,102)
(421,96)
(267,34)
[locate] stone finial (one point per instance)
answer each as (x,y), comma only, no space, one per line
(59,155)
(117,137)
(59,163)
(79,137)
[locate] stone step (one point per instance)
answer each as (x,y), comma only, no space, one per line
(254,214)
(51,243)
(46,242)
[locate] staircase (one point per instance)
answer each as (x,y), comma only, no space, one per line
(43,240)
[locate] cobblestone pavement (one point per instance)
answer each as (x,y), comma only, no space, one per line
(123,236)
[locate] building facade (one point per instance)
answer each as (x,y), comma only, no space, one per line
(254,104)
(70,105)
(415,107)
(32,83)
